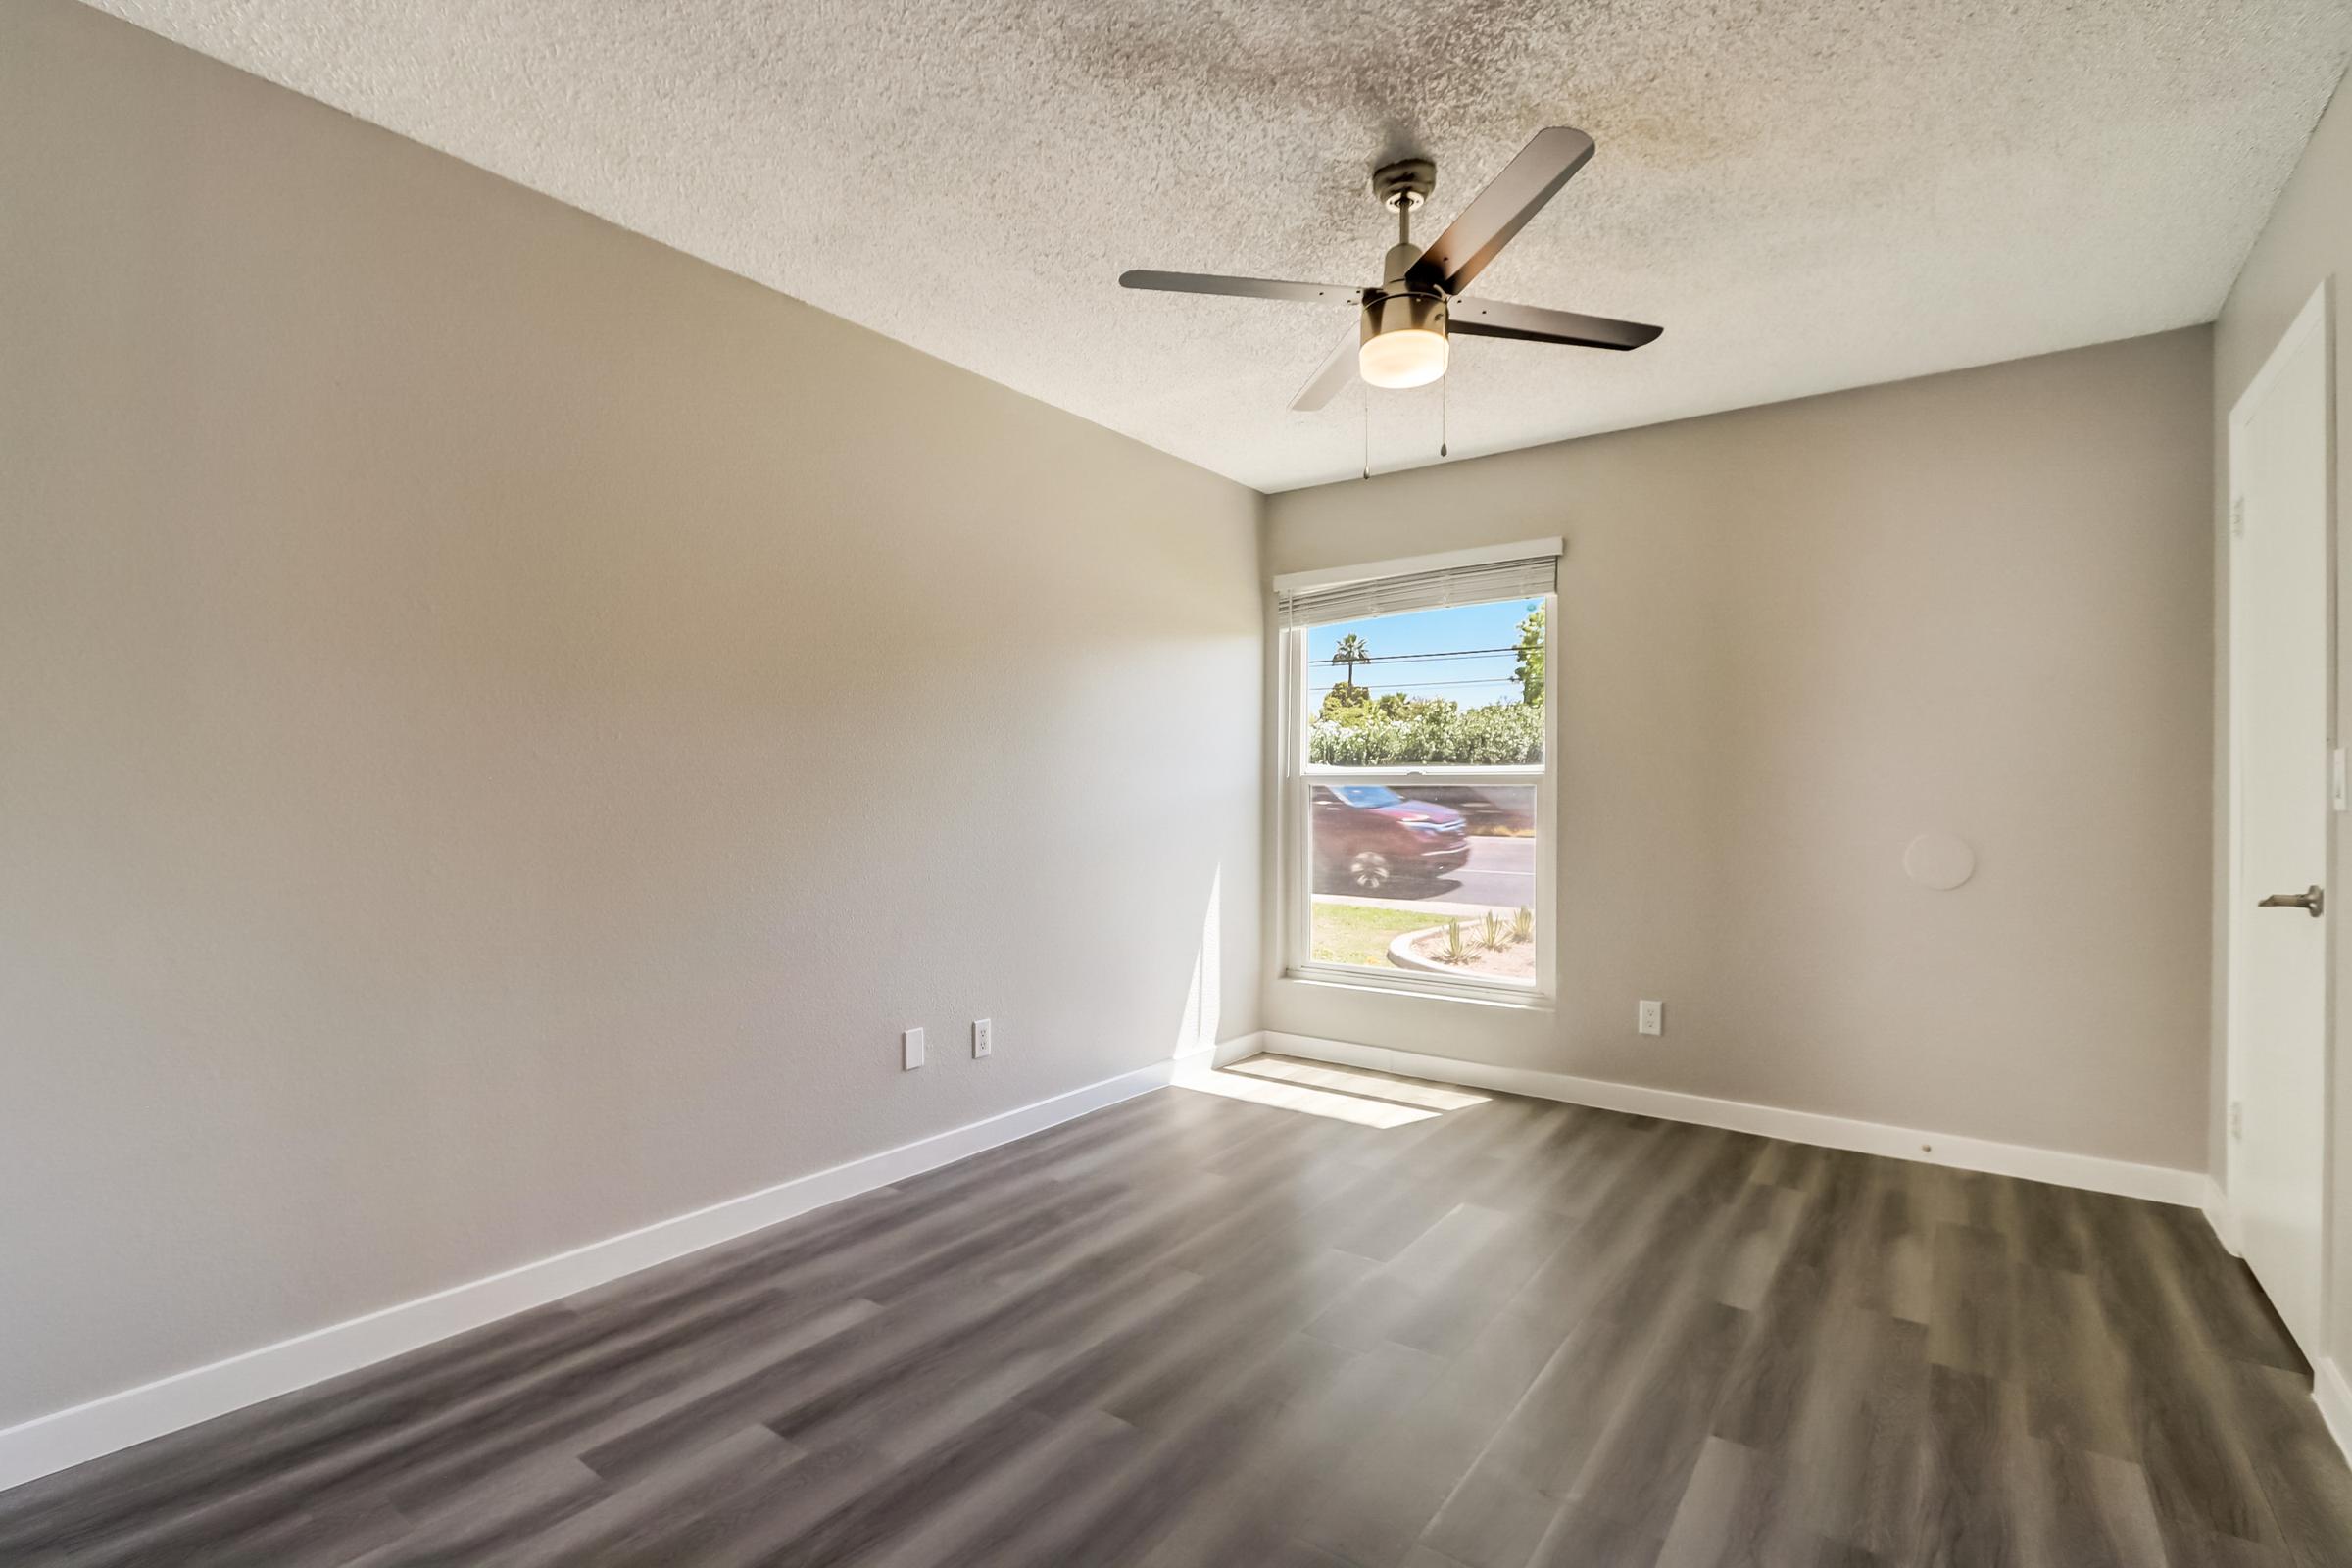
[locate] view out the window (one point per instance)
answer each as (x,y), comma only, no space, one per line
(1424,752)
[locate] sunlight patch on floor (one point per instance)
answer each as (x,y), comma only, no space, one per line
(1349,1081)
(1232,1085)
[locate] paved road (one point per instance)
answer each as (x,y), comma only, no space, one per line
(1501,875)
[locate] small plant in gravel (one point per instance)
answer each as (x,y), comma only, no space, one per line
(1523,925)
(1455,950)
(1495,934)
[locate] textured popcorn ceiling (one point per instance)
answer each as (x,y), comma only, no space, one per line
(1807,195)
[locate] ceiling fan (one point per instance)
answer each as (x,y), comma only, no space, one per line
(1406,319)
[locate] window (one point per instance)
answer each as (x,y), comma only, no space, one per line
(1417,790)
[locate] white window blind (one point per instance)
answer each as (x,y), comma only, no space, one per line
(1484,583)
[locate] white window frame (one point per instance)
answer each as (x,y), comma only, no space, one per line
(1299,779)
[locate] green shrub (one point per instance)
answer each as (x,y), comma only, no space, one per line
(1498,735)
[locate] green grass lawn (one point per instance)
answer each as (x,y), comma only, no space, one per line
(1360,933)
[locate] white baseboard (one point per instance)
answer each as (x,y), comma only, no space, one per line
(2222,1217)
(2161,1183)
(2333,1396)
(1241,1048)
(64,1437)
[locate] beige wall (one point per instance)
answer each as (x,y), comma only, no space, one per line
(501,724)
(2307,241)
(1793,638)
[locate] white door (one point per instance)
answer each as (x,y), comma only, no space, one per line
(2280,660)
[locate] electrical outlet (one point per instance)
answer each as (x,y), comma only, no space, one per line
(984,1038)
(1652,1019)
(2237,1118)
(910,1050)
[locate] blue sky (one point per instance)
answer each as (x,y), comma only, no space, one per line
(1469,681)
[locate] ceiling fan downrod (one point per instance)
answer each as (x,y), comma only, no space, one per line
(1400,332)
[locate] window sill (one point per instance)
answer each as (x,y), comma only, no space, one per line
(1402,985)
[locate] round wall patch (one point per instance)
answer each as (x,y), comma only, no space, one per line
(1939,861)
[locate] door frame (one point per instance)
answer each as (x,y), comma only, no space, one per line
(2317,319)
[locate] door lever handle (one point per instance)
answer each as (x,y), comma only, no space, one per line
(2310,903)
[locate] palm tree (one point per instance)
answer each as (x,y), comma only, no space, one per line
(1352,652)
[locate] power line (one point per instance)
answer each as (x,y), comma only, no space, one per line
(1414,685)
(1450,652)
(1401,659)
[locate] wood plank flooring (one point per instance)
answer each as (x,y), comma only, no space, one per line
(1316,1318)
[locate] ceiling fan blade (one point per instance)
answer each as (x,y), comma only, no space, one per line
(1533,323)
(1484,227)
(1255,288)
(1336,373)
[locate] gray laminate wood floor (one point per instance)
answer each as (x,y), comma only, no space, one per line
(1317,1317)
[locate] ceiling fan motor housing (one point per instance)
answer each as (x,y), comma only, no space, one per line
(1400,311)
(1400,307)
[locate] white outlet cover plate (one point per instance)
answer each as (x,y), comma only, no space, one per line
(910,1050)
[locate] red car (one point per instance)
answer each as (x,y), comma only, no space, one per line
(1367,837)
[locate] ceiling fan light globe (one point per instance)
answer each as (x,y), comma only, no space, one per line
(1408,357)
(1402,340)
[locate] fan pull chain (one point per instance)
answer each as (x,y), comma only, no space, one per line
(1442,380)
(1368,429)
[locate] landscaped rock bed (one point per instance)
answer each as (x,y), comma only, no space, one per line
(1496,952)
